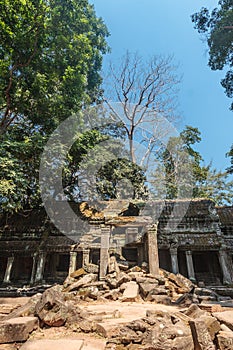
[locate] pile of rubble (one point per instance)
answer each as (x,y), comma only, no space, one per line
(136,284)
(197,320)
(191,329)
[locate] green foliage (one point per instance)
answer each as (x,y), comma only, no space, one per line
(50,59)
(230,154)
(121,178)
(218,28)
(217,186)
(182,164)
(182,173)
(19,166)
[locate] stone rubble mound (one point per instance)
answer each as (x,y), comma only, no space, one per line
(197,321)
(136,284)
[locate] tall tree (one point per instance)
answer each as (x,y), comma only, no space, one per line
(181,171)
(218,29)
(50,59)
(230,154)
(144,95)
(217,26)
(182,164)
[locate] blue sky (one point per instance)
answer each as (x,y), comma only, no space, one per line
(164,27)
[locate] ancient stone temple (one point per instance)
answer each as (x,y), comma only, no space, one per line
(193,237)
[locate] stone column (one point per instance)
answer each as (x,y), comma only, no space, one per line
(40,267)
(33,268)
(86,257)
(153,255)
(227,278)
(118,247)
(190,267)
(73,262)
(140,255)
(104,251)
(7,275)
(174,260)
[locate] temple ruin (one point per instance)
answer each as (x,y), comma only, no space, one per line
(194,238)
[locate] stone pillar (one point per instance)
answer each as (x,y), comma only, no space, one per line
(118,247)
(227,278)
(140,255)
(7,275)
(174,260)
(104,251)
(86,257)
(73,262)
(33,268)
(153,255)
(40,267)
(190,267)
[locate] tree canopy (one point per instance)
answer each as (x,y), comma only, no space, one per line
(182,171)
(50,59)
(218,29)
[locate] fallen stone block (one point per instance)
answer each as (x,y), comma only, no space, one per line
(184,283)
(52,308)
(225,317)
(27,309)
(186,299)
(181,343)
(225,340)
(8,308)
(194,311)
(143,279)
(58,344)
(159,299)
(91,268)
(212,325)
(146,288)
(81,282)
(114,294)
(225,328)
(17,329)
(123,278)
(204,298)
(111,281)
(135,275)
(157,314)
(131,292)
(107,330)
(201,337)
(78,273)
(209,307)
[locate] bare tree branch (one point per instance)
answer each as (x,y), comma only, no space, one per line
(146,92)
